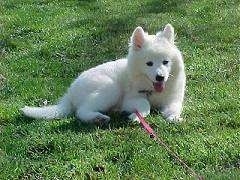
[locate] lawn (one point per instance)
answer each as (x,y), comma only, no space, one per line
(45,44)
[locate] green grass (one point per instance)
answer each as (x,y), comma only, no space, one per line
(45,44)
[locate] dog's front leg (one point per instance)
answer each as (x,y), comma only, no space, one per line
(137,103)
(172,111)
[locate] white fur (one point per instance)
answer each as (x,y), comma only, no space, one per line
(115,85)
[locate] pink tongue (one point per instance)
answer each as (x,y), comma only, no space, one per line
(159,86)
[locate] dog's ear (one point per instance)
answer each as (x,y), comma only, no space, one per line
(137,38)
(167,33)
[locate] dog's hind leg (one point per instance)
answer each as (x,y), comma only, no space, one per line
(88,116)
(101,100)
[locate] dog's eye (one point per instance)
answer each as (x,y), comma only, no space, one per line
(149,63)
(165,62)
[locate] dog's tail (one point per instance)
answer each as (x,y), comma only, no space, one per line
(60,110)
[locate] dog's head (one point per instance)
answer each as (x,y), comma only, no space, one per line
(154,56)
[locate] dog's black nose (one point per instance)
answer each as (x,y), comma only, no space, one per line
(159,78)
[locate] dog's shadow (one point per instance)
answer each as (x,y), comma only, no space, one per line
(72,124)
(118,120)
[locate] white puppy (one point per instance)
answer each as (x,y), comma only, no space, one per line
(152,75)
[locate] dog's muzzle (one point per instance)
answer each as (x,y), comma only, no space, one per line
(160,84)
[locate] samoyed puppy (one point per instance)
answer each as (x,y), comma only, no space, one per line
(152,76)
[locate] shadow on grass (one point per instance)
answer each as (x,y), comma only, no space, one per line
(117,121)
(74,125)
(21,119)
(106,34)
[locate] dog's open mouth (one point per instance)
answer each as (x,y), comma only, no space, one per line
(159,86)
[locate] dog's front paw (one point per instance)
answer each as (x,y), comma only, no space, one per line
(133,118)
(172,116)
(172,112)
